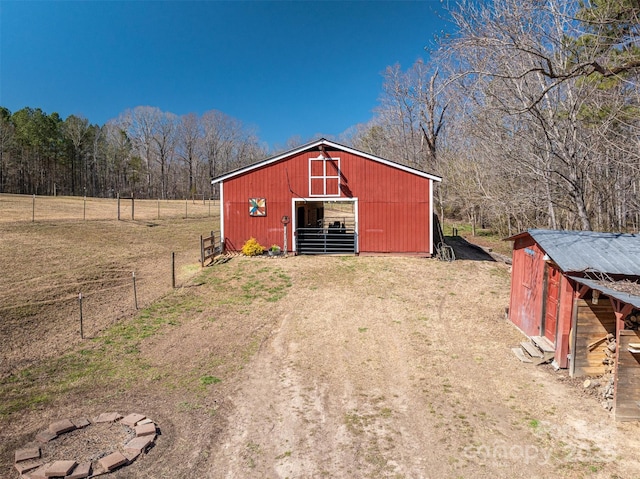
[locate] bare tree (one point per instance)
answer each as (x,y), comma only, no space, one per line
(118,155)
(190,136)
(164,139)
(524,62)
(222,134)
(141,125)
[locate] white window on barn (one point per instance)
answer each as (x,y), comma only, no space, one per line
(324,176)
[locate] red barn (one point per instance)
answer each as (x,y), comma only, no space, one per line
(324,197)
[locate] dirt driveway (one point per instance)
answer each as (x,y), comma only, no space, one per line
(384,367)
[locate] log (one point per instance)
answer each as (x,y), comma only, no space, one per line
(593,344)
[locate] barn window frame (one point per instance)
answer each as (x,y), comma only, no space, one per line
(326,176)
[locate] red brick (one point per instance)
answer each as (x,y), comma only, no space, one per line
(26,466)
(62,426)
(132,419)
(113,461)
(131,455)
(140,444)
(108,417)
(45,436)
(145,429)
(38,473)
(81,422)
(80,472)
(27,453)
(60,468)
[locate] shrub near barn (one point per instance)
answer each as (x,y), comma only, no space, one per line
(252,248)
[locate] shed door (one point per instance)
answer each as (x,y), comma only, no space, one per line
(551,309)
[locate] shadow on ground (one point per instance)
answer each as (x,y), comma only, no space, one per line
(469,251)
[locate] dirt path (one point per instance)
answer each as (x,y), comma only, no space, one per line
(410,378)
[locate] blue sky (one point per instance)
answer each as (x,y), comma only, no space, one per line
(285,68)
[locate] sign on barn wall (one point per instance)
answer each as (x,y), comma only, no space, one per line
(257,207)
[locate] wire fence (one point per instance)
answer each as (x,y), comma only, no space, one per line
(34,208)
(86,308)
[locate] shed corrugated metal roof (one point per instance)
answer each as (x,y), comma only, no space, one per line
(597,285)
(577,251)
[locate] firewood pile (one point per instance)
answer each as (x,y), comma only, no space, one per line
(604,386)
(610,351)
(607,395)
(632,322)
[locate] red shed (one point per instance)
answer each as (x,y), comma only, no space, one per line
(324,197)
(577,293)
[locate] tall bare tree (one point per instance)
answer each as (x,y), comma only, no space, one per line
(529,64)
(165,139)
(189,145)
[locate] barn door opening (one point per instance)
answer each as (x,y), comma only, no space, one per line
(326,227)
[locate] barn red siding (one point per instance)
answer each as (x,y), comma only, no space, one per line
(271,183)
(393,205)
(394,210)
(525,308)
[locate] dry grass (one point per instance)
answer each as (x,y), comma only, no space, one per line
(46,265)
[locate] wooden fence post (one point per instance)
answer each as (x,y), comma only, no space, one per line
(118,206)
(135,292)
(81,328)
(173,270)
(201,251)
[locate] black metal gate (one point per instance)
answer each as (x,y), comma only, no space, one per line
(336,239)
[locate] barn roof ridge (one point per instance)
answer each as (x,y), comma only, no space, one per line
(584,251)
(314,144)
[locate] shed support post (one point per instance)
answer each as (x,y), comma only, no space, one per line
(564,323)
(621,310)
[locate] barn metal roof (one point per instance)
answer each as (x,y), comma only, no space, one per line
(316,144)
(583,251)
(609,291)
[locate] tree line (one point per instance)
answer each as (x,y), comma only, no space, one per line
(145,152)
(530,111)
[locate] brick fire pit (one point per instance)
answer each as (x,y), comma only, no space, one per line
(79,448)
